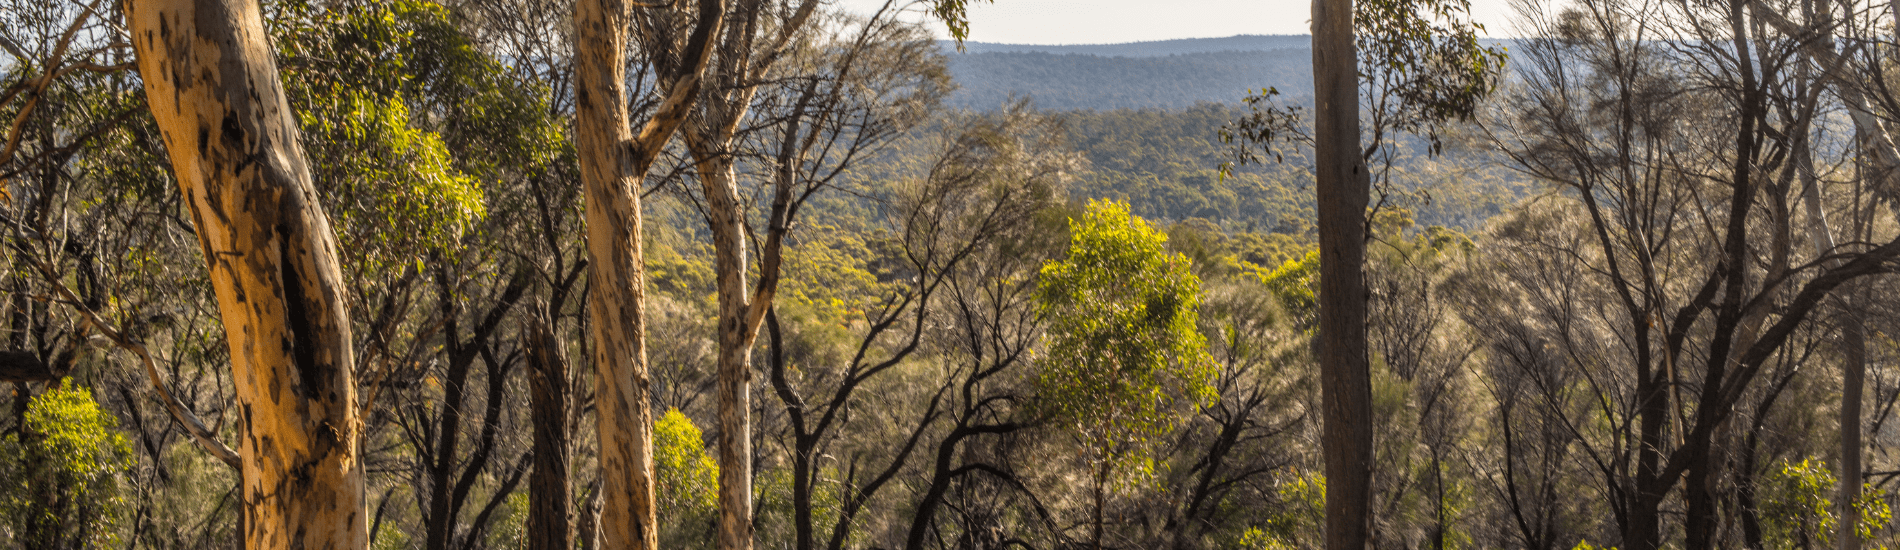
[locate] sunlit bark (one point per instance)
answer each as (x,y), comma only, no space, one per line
(215,92)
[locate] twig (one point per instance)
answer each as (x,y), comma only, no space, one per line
(206,440)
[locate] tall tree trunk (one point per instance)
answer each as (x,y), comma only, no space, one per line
(1645,517)
(1853,342)
(1736,323)
(548,495)
(1853,348)
(1343,187)
(616,294)
(215,93)
(1853,383)
(613,161)
(736,335)
(709,136)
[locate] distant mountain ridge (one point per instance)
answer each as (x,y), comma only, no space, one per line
(1244,42)
(1165,74)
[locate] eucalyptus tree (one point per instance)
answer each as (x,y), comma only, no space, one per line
(747,52)
(984,187)
(806,95)
(273,262)
(614,159)
(406,184)
(1125,354)
(1837,66)
(1425,68)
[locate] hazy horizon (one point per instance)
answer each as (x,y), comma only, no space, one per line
(1080,22)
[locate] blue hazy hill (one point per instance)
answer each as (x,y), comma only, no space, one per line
(1166,74)
(1245,42)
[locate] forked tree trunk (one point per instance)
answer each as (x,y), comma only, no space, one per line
(709,136)
(1343,189)
(214,90)
(617,282)
(613,161)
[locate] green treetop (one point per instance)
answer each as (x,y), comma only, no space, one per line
(1125,353)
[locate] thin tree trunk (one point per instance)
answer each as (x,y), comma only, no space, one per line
(1101,482)
(735,353)
(1343,191)
(1853,344)
(1853,383)
(938,485)
(613,161)
(709,136)
(215,92)
(1853,353)
(548,495)
(441,513)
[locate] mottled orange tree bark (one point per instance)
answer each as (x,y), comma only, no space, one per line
(613,161)
(215,92)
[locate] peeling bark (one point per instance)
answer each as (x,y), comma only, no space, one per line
(613,161)
(215,92)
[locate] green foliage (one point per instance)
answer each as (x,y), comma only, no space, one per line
(955,16)
(1585,545)
(509,527)
(1255,539)
(687,476)
(686,480)
(1798,511)
(827,273)
(672,273)
(1165,164)
(399,195)
(389,184)
(59,482)
(1795,504)
(1296,284)
(1875,515)
(373,84)
(392,539)
(1124,351)
(1302,511)
(1426,57)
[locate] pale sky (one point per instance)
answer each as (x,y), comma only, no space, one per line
(1116,21)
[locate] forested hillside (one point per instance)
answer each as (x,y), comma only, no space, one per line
(1166,163)
(735,274)
(1073,77)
